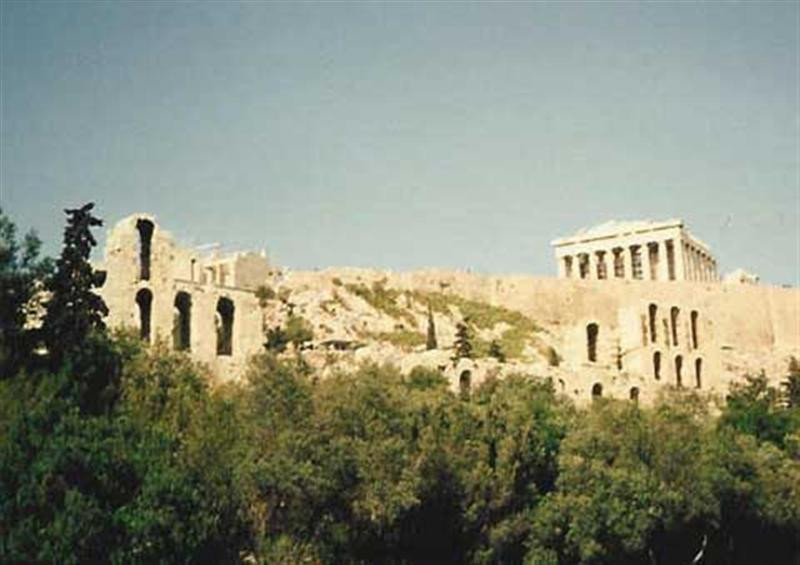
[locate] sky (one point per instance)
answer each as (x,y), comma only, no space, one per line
(408,135)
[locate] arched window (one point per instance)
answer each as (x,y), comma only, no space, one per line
(673,316)
(698,369)
(591,341)
(657,365)
(652,311)
(182,322)
(634,394)
(693,319)
(224,326)
(144,300)
(678,371)
(465,384)
(597,390)
(145,228)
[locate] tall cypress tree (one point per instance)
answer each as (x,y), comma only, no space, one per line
(431,341)
(74,310)
(73,329)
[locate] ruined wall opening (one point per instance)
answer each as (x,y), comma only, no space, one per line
(636,261)
(652,312)
(465,384)
(144,300)
(657,365)
(568,266)
(145,228)
(619,263)
(597,390)
(182,322)
(634,394)
(678,371)
(591,341)
(583,265)
(652,253)
(698,369)
(693,318)
(224,325)
(673,317)
(670,260)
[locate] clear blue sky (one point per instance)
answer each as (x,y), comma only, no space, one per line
(408,135)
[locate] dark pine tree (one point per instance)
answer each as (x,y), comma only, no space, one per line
(463,343)
(496,351)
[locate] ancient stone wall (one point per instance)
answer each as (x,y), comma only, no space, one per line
(644,334)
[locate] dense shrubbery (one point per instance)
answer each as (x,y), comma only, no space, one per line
(374,466)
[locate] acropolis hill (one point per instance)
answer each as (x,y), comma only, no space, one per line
(637,306)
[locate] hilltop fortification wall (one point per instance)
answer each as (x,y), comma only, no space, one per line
(623,336)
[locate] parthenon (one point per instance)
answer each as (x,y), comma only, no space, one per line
(639,250)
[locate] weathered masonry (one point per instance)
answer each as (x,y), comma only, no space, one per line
(653,251)
(201,303)
(615,333)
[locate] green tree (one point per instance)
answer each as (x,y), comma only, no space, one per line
(463,342)
(633,486)
(791,386)
(496,351)
(74,310)
(277,340)
(150,481)
(754,407)
(298,330)
(21,275)
(73,329)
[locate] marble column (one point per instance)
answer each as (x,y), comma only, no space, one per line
(614,255)
(692,264)
(644,250)
(628,254)
(681,260)
(602,264)
(663,263)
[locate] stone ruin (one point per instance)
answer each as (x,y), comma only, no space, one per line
(636,307)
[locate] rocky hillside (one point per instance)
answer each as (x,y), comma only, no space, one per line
(360,315)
